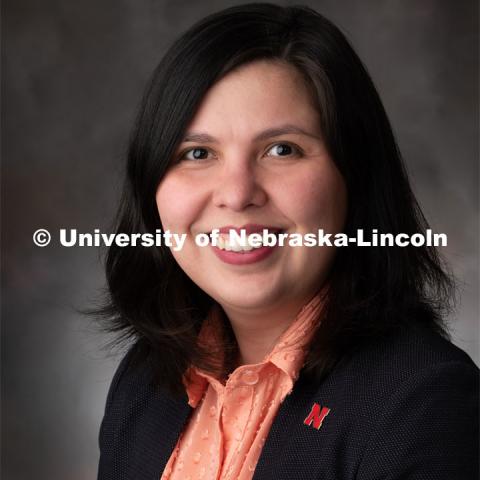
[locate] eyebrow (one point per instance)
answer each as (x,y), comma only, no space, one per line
(264,135)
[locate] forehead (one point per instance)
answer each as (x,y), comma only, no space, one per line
(256,96)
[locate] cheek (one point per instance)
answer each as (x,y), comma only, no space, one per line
(315,198)
(177,203)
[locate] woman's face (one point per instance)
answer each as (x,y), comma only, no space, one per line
(254,156)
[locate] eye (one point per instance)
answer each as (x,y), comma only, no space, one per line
(283,150)
(195,154)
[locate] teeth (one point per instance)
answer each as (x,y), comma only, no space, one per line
(234,245)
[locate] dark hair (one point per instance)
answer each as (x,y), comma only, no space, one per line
(372,291)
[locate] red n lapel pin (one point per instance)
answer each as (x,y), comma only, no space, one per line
(317,416)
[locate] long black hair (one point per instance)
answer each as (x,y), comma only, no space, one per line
(371,291)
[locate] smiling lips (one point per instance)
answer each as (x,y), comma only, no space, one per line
(231,250)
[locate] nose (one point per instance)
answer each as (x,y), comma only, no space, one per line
(239,186)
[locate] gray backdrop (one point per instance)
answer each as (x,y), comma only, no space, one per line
(73,73)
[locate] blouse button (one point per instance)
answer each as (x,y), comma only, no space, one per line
(250,377)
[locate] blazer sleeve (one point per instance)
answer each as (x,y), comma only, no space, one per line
(428,428)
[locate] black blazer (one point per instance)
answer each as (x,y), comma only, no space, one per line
(403,408)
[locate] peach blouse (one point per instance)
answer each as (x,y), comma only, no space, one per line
(227,430)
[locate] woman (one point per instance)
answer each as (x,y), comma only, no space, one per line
(277,362)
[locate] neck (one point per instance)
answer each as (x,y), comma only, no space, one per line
(257,332)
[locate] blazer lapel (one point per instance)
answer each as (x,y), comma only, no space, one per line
(291,446)
(158,429)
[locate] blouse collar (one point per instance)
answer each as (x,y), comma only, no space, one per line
(287,355)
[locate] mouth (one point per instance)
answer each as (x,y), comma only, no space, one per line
(246,244)
(247,237)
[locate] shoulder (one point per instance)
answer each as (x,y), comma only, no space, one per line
(129,380)
(134,386)
(395,358)
(130,376)
(141,422)
(414,360)
(408,403)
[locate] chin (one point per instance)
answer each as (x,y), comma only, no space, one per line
(250,299)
